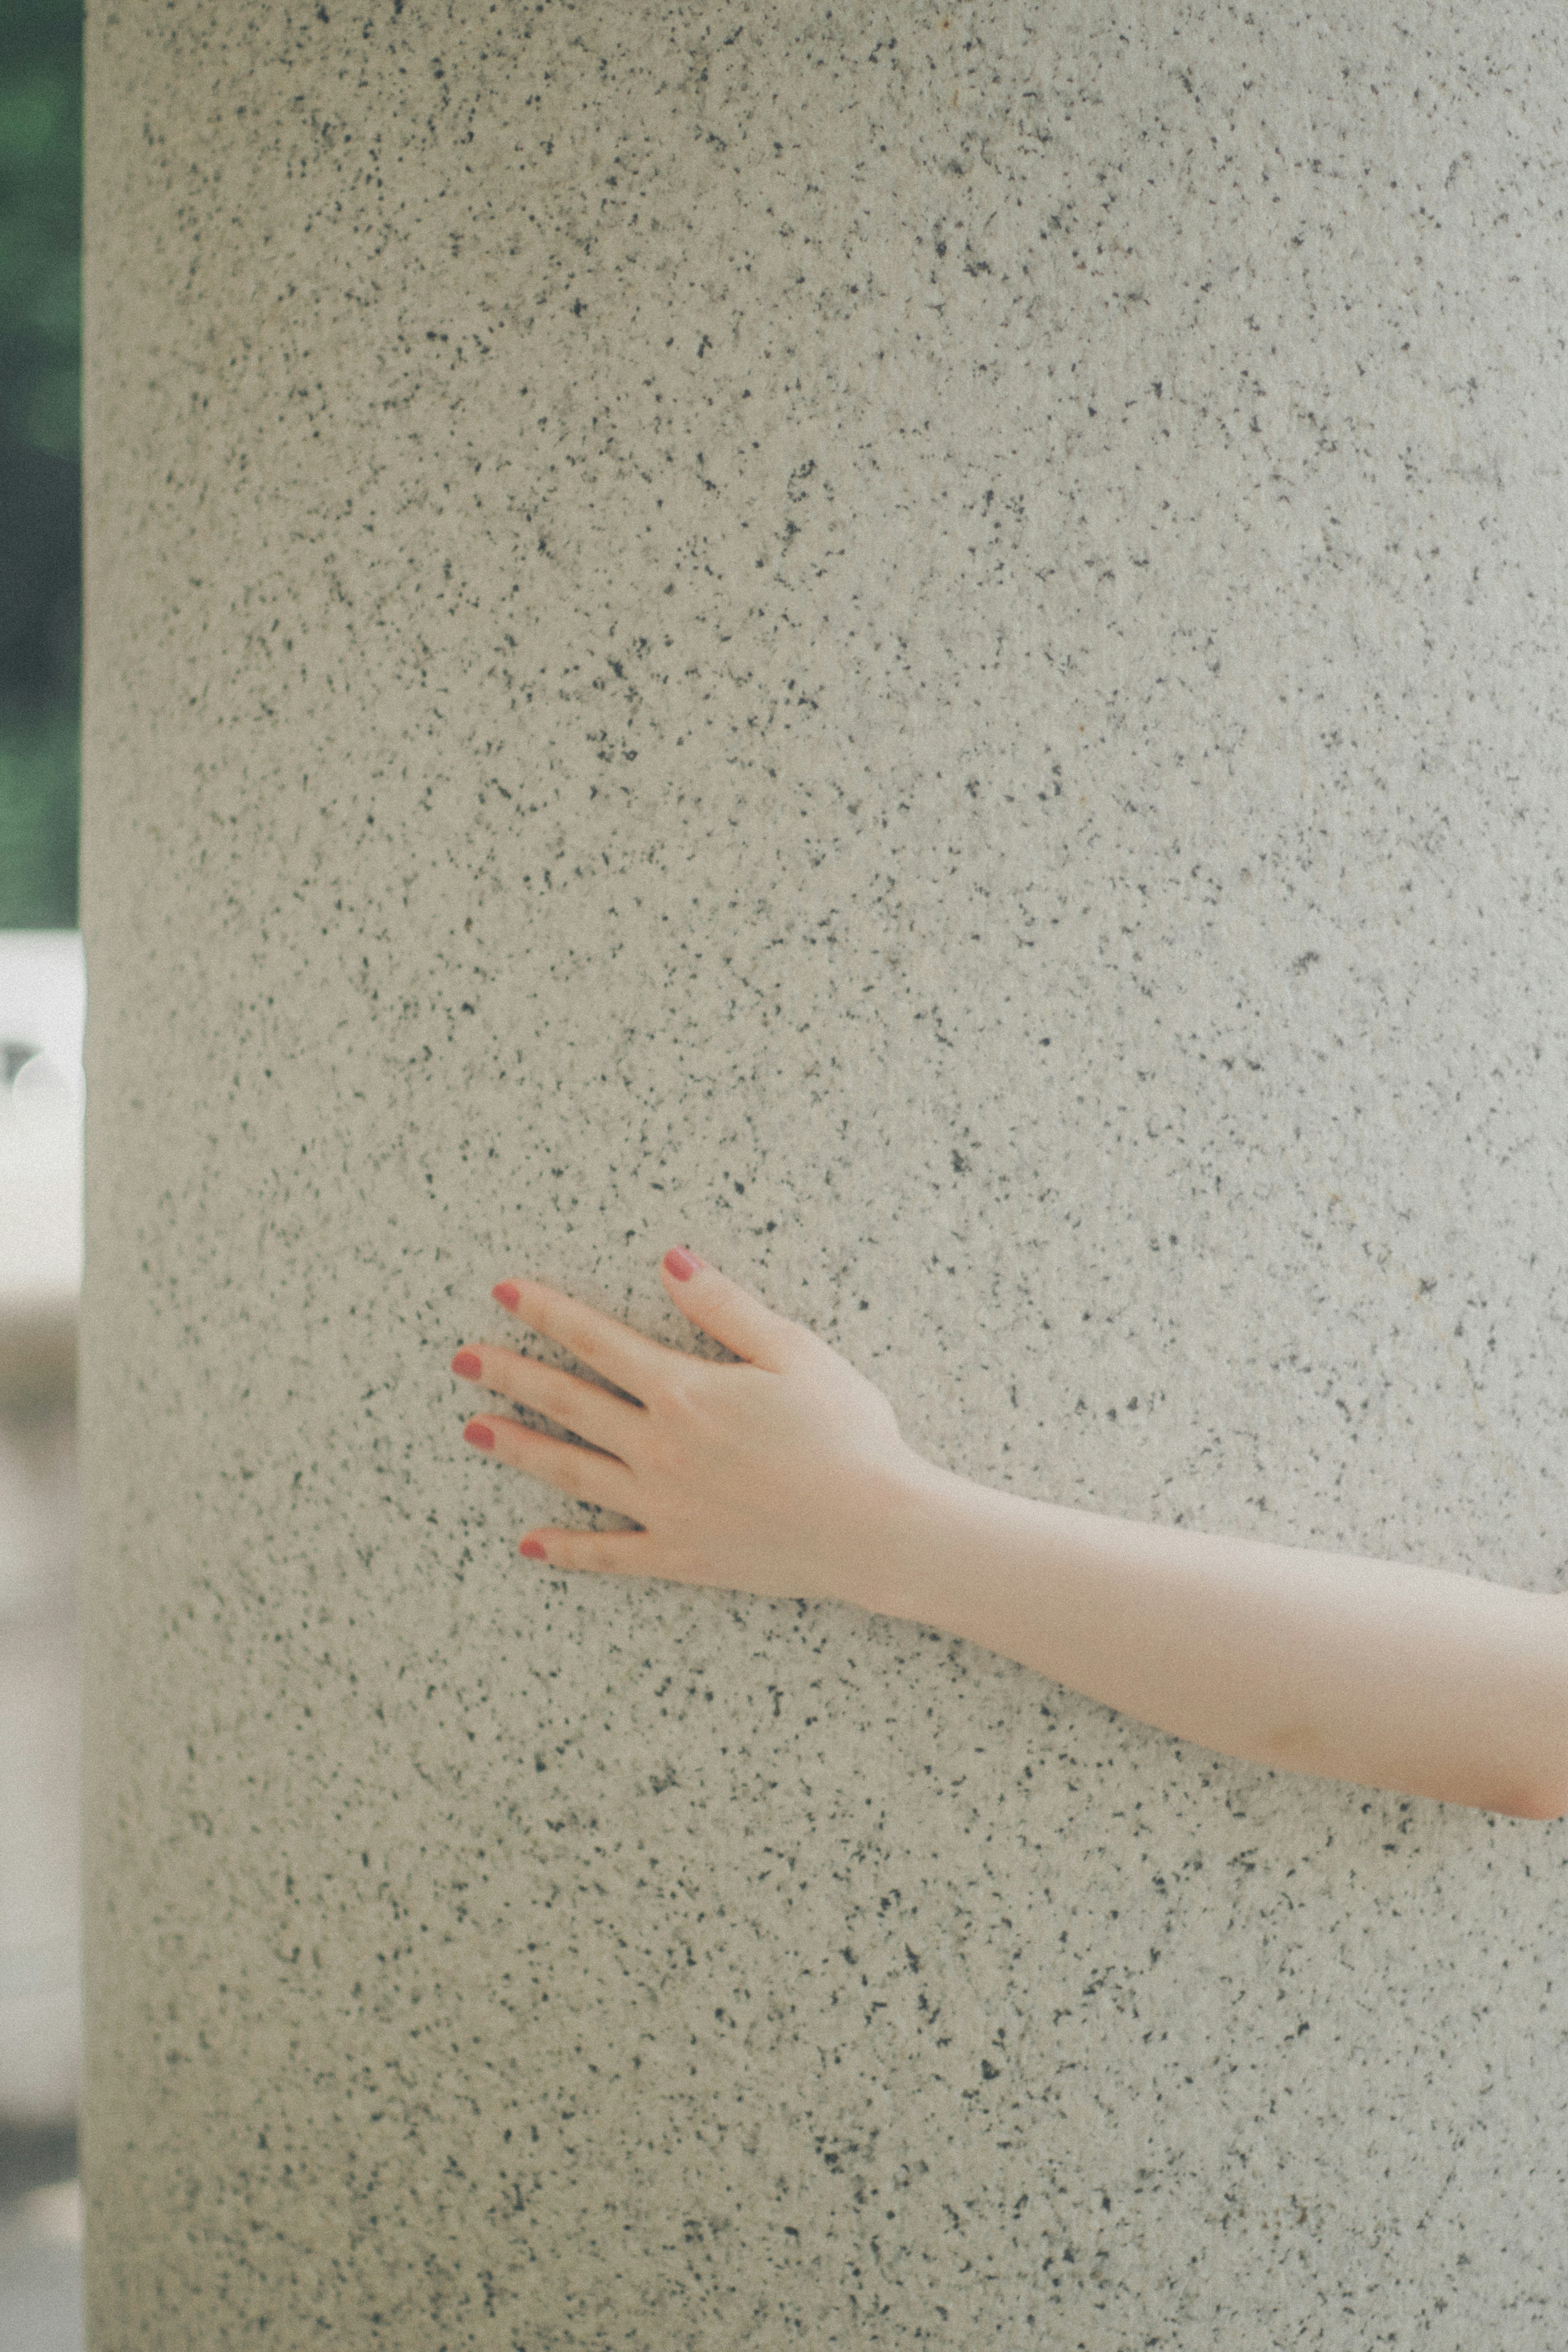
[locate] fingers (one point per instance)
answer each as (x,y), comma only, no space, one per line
(600,1471)
(588,1412)
(623,1355)
(577,1470)
(732,1315)
(581,1547)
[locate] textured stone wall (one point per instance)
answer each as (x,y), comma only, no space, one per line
(926,651)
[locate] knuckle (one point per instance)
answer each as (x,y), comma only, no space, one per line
(581,1332)
(552,1392)
(501,1371)
(570,1326)
(683,1395)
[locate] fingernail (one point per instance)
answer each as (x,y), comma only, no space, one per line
(681,1263)
(531,1547)
(466,1364)
(478,1434)
(507,1293)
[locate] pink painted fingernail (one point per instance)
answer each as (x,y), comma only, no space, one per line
(466,1364)
(478,1434)
(531,1547)
(681,1263)
(507,1293)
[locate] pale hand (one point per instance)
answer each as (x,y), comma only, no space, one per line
(771,1476)
(785,1475)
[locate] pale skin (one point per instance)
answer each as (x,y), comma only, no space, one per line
(785,1475)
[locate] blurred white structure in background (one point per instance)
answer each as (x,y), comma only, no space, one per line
(43,1003)
(42,1097)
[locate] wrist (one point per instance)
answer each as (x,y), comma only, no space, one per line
(909,1562)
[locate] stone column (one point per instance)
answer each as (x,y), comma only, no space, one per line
(924,651)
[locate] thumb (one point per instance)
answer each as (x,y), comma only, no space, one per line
(731,1314)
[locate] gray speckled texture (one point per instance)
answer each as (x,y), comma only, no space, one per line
(928,653)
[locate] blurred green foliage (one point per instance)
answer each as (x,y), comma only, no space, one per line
(40,461)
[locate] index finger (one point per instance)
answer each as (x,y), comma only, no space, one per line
(623,1355)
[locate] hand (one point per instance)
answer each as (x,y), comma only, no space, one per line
(773,1476)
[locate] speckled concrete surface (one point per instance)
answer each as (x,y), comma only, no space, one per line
(924,651)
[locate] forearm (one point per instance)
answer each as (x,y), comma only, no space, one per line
(1391,1675)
